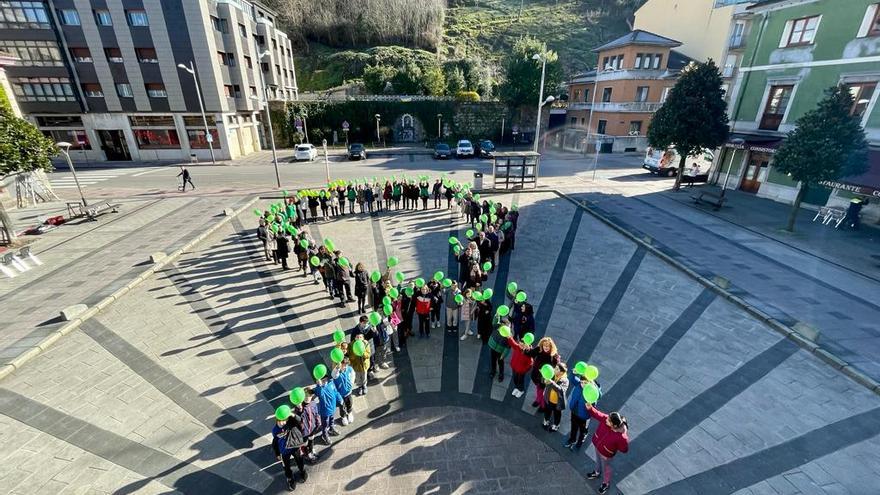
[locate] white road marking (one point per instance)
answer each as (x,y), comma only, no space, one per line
(146,172)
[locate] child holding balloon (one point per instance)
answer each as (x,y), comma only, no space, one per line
(583,377)
(555,386)
(544,353)
(329,396)
(359,357)
(343,379)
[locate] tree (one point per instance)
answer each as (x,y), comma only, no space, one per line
(433,81)
(408,80)
(694,116)
(467,96)
(454,81)
(523,74)
(23,148)
(376,77)
(827,144)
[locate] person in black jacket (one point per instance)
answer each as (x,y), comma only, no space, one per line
(343,280)
(475,212)
(436,192)
(313,208)
(361,286)
(186,178)
(283,247)
(288,440)
(436,302)
(484,320)
(263,236)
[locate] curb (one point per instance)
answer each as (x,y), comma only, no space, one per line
(72,325)
(826,356)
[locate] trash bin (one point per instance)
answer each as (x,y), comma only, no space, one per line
(478,181)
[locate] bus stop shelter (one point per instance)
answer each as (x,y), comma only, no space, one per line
(515,169)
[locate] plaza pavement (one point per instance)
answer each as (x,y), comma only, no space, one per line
(172,387)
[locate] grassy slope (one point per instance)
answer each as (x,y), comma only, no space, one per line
(487,29)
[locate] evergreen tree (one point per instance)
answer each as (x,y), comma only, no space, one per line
(523,73)
(827,144)
(454,81)
(694,115)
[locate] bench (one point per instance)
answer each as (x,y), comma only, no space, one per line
(829,215)
(711,199)
(690,180)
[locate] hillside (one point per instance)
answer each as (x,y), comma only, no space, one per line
(483,30)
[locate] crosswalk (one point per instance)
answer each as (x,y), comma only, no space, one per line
(86,178)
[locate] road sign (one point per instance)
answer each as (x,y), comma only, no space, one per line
(345,125)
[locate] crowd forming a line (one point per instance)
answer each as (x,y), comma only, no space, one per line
(387,303)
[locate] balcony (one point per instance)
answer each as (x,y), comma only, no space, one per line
(770,122)
(728,71)
(612,106)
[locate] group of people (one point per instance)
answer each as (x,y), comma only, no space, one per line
(387,305)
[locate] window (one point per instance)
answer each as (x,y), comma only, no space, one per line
(219,24)
(861,94)
(248,62)
(114,55)
(638,63)
(224,58)
(196,120)
(664,95)
(230,59)
(874,26)
(236,91)
(774,111)
(155,90)
(81,55)
(253,90)
(274,44)
(137,18)
(261,40)
(146,55)
(737,37)
(587,94)
(729,66)
(242,29)
(60,121)
(577,95)
(803,31)
(227,90)
(78,138)
(23,15)
(68,17)
(600,127)
(573,121)
(124,90)
(642,93)
(157,139)
(33,53)
(635,127)
(43,89)
(658,60)
(197,139)
(264,66)
(93,90)
(606,94)
(102,18)
(151,120)
(278,69)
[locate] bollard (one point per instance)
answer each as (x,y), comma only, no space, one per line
(228,212)
(71,312)
(157,257)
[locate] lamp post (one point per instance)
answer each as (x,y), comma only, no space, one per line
(65,147)
(541,100)
(208,136)
(378,138)
(260,56)
(439,117)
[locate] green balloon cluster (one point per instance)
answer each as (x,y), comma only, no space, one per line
(438,276)
(469,233)
(420,282)
(487,266)
(393,292)
(315,261)
(343,261)
(504,330)
(488,293)
(392,262)
(400,277)
(447,283)
(459,298)
(511,288)
(453,240)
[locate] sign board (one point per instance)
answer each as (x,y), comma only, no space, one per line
(345,125)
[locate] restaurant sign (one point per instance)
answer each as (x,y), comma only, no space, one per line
(863,190)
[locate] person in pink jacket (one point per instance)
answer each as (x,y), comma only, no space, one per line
(609,439)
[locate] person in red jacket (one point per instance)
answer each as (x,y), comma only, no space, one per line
(609,439)
(423,309)
(520,364)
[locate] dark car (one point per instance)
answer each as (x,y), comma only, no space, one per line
(357,151)
(442,150)
(487,148)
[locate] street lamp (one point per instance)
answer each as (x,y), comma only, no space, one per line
(378,138)
(541,100)
(439,116)
(65,147)
(268,113)
(208,137)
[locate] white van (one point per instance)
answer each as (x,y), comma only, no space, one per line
(665,162)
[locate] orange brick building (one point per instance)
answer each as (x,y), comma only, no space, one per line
(634,76)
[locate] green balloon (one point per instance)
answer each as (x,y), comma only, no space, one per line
(359,347)
(459,298)
(315,261)
(528,338)
(478,226)
(343,261)
(477,295)
(282,413)
(469,233)
(503,310)
(591,393)
(521,297)
(409,291)
(297,396)
(394,293)
(336,355)
(493,218)
(400,277)
(319,371)
(258,213)
(487,266)
(453,241)
(375,318)
(580,368)
(456,249)
(447,283)
(487,294)
(438,276)
(273,227)
(292,230)
(387,309)
(511,288)
(476,197)
(420,282)
(547,372)
(338,336)
(304,243)
(591,372)
(492,210)
(386,301)
(393,261)
(329,245)
(484,218)
(375,276)
(504,330)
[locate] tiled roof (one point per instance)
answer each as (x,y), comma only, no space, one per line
(639,37)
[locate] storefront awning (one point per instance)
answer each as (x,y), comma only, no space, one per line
(753,142)
(866,184)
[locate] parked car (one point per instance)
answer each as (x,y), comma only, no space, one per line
(357,151)
(464,149)
(665,162)
(487,148)
(306,152)
(442,150)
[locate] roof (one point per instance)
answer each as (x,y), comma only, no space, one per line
(678,60)
(762,4)
(638,37)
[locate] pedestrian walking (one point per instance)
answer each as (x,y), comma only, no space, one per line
(610,438)
(423,193)
(436,192)
(436,302)
(187,179)
(484,320)
(468,313)
(361,286)
(352,197)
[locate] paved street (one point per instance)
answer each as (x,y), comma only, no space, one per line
(172,387)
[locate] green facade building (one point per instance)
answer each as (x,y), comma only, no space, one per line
(787,53)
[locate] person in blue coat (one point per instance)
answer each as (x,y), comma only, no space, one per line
(329,397)
(287,443)
(578,407)
(343,379)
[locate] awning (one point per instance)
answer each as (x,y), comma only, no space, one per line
(753,142)
(866,184)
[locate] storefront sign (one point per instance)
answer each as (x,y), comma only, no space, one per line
(756,147)
(863,190)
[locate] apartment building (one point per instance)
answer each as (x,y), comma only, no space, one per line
(791,51)
(104,75)
(619,98)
